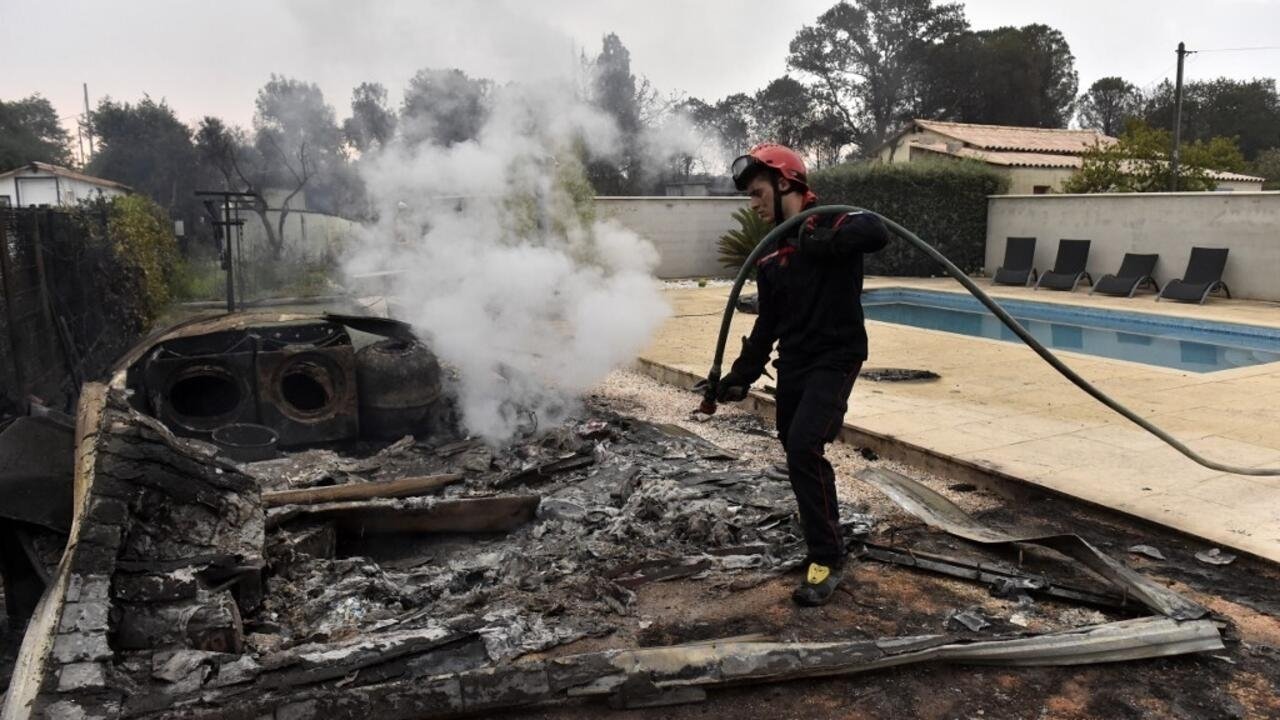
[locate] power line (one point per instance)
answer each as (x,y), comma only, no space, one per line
(1164,75)
(1239,49)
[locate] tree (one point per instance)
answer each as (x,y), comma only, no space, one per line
(297,135)
(781,113)
(229,152)
(1109,103)
(372,123)
(1007,76)
(826,137)
(443,107)
(1245,109)
(867,59)
(30,132)
(728,121)
(146,146)
(1139,162)
(1267,164)
(615,92)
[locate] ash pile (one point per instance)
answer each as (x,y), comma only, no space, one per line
(528,546)
(282,507)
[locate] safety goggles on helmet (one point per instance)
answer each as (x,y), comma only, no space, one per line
(743,168)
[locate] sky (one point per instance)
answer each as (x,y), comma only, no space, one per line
(209,58)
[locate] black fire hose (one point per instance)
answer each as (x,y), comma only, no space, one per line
(713,377)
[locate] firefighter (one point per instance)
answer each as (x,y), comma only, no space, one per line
(810,289)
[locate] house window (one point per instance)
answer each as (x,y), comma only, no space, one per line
(1040,190)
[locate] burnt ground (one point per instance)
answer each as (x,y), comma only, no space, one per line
(882,600)
(879,600)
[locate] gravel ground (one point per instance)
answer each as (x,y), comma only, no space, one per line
(696,282)
(752,437)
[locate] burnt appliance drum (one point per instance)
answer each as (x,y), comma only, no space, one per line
(306,379)
(297,379)
(399,388)
(197,384)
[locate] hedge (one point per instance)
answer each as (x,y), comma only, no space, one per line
(942,201)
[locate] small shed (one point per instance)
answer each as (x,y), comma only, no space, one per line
(36,184)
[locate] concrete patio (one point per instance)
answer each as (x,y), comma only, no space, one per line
(1000,407)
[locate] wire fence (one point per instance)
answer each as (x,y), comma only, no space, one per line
(69,304)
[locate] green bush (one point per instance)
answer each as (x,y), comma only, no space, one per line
(198,279)
(942,201)
(736,245)
(140,236)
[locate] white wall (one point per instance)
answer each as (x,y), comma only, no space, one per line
(308,236)
(1239,186)
(37,189)
(683,229)
(1023,180)
(1165,223)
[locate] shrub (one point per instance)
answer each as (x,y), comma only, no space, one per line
(140,236)
(198,279)
(942,201)
(736,245)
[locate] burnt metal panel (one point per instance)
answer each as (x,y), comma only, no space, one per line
(37,457)
(193,396)
(306,379)
(936,510)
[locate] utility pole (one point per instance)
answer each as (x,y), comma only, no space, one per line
(223,223)
(1177,120)
(88,119)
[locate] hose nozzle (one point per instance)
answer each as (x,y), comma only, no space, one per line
(708,388)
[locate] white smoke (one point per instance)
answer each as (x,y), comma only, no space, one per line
(502,267)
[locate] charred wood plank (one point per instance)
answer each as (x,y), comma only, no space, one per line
(500,513)
(546,470)
(400,487)
(986,573)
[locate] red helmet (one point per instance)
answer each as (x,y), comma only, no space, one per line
(779,157)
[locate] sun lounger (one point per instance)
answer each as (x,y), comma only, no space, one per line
(1019,258)
(1203,276)
(1068,268)
(1135,271)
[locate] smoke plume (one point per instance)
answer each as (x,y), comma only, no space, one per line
(503,266)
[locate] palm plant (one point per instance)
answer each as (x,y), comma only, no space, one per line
(737,244)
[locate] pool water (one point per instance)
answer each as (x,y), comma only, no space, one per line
(1174,342)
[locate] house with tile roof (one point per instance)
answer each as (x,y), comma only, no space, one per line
(1036,160)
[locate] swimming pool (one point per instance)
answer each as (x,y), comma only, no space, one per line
(1167,341)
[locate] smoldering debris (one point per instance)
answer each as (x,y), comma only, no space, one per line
(428,568)
(623,502)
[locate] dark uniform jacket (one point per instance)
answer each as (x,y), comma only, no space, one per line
(811,301)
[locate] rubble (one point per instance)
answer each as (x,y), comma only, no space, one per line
(1147,551)
(430,575)
(1214,556)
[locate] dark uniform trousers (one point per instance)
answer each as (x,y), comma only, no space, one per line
(811,403)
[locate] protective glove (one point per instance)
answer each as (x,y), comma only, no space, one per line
(732,388)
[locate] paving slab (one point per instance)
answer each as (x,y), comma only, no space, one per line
(1000,406)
